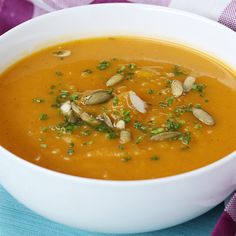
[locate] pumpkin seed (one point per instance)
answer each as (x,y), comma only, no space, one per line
(61,53)
(72,118)
(125,136)
(66,108)
(97,97)
(120,124)
(76,108)
(137,102)
(176,88)
(203,116)
(188,83)
(165,136)
(107,120)
(114,80)
(88,118)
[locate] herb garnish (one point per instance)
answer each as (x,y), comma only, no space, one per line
(43,116)
(103,65)
(150,91)
(157,130)
(177,71)
(154,158)
(172,125)
(126,159)
(115,101)
(126,115)
(185,138)
(139,139)
(138,125)
(38,100)
(43,145)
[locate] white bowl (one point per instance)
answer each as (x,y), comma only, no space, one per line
(118,206)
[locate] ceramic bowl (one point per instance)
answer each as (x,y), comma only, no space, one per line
(118,206)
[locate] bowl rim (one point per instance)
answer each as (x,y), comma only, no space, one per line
(162,180)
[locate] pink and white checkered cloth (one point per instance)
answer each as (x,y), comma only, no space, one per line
(14,12)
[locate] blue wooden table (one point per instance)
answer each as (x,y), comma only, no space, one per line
(16,220)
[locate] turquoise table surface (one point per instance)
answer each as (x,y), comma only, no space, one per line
(16,220)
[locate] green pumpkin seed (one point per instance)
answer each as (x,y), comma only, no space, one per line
(72,118)
(66,108)
(120,124)
(97,97)
(203,116)
(176,88)
(165,136)
(88,118)
(188,83)
(115,79)
(107,120)
(137,102)
(76,108)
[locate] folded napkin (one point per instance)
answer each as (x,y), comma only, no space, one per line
(14,12)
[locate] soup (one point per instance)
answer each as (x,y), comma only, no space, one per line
(118,108)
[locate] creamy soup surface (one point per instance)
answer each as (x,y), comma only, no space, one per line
(118,108)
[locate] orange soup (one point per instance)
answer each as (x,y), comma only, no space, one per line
(118,108)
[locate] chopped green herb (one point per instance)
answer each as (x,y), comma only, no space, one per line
(157,130)
(182,109)
(74,96)
(112,135)
(70,151)
(43,116)
(206,100)
(67,127)
(72,144)
(132,66)
(129,77)
(103,128)
(172,125)
(169,82)
(138,125)
(139,139)
(126,159)
(121,69)
(53,87)
(126,115)
(197,126)
(150,91)
(64,94)
(115,101)
(87,143)
(199,88)
(163,104)
(103,65)
(185,138)
(121,147)
(154,158)
(198,105)
(37,100)
(86,132)
(110,91)
(169,101)
(58,73)
(43,145)
(45,129)
(177,71)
